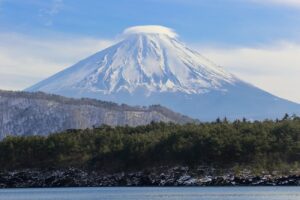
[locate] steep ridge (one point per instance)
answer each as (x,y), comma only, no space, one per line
(23,113)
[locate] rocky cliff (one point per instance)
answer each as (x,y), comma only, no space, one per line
(24,113)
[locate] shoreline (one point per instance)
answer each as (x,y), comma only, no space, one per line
(156,177)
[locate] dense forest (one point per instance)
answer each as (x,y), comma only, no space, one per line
(260,145)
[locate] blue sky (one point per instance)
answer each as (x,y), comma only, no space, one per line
(259,40)
(232,22)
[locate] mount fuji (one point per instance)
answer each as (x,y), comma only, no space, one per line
(151,66)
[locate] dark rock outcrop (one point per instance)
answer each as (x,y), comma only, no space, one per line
(176,176)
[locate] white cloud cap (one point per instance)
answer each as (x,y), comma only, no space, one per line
(150,29)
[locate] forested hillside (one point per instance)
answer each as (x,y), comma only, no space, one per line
(25,113)
(260,145)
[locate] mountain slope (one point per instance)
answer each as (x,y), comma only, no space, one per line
(23,113)
(151,66)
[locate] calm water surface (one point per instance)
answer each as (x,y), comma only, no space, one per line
(148,193)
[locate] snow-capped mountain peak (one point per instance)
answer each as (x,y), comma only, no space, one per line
(150,58)
(151,66)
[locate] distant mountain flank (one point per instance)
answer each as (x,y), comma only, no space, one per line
(152,66)
(23,113)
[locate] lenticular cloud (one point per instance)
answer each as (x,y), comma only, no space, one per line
(155,29)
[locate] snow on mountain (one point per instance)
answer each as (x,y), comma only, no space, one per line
(153,60)
(24,113)
(151,66)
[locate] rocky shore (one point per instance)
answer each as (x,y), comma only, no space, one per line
(175,176)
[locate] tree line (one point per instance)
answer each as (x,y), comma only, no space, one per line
(260,144)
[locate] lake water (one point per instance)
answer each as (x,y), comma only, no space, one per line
(148,193)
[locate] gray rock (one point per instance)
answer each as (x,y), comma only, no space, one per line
(24,113)
(79,178)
